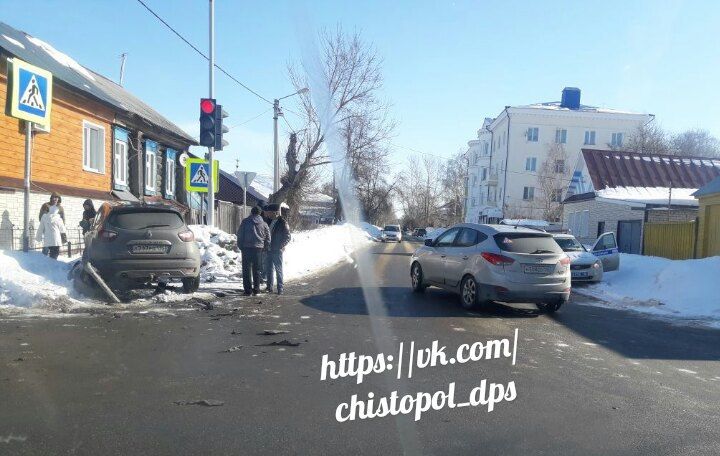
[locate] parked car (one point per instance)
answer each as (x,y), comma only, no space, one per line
(494,263)
(420,232)
(606,248)
(134,244)
(391,233)
(584,266)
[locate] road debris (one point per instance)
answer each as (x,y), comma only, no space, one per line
(204,402)
(284,342)
(232,349)
(272,332)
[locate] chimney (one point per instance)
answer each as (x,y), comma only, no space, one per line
(570,98)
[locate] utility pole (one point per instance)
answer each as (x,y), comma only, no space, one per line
(276,174)
(211,183)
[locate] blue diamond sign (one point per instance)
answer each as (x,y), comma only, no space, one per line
(31,92)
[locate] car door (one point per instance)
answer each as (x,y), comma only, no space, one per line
(606,249)
(434,266)
(458,255)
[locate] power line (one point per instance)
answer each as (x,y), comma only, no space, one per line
(251,119)
(201,53)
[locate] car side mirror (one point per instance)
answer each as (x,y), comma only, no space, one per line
(429,242)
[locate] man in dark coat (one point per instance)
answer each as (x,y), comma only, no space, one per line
(253,237)
(280,235)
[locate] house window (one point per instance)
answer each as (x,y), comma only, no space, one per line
(93,148)
(487,148)
(170,175)
(528,193)
(532,134)
(474,180)
(617,139)
(530,164)
(560,166)
(484,174)
(600,228)
(590,138)
(150,166)
(474,202)
(561,136)
(556,196)
(121,162)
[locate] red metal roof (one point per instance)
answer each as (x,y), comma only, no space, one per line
(612,168)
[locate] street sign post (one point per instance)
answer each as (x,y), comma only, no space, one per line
(30,99)
(245,178)
(197,175)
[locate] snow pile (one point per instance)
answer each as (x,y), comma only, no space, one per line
(372,230)
(28,279)
(650,195)
(314,250)
(60,57)
(679,288)
(219,258)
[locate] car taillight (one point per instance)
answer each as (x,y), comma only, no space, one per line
(565,261)
(496,259)
(107,235)
(186,236)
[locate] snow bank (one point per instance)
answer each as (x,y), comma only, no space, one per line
(27,279)
(371,229)
(220,261)
(680,288)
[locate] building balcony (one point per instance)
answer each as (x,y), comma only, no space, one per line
(491,179)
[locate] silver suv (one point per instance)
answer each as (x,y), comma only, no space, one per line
(132,244)
(494,263)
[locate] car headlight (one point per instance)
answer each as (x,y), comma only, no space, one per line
(596,265)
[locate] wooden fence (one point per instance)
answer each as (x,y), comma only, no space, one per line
(673,240)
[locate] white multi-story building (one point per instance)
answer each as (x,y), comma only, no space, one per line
(524,159)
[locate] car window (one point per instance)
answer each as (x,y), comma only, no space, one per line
(391,228)
(569,245)
(606,242)
(527,243)
(138,220)
(469,237)
(447,238)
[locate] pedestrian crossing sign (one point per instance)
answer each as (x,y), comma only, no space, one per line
(197,175)
(30,92)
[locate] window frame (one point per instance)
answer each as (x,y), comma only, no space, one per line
(533,161)
(87,125)
(528,193)
(153,169)
(589,138)
(617,139)
(120,163)
(560,169)
(447,233)
(561,136)
(170,181)
(533,134)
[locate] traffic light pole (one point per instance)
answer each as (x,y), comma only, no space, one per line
(276,157)
(211,183)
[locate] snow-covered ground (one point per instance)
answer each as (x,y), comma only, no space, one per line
(684,290)
(372,230)
(31,283)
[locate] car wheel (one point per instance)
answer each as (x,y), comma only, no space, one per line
(552,307)
(191,284)
(469,293)
(416,275)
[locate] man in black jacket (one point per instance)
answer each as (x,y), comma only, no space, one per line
(253,237)
(280,235)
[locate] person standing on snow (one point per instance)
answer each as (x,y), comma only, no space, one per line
(88,215)
(51,232)
(280,235)
(253,237)
(55,201)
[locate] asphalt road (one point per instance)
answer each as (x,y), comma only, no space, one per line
(588,380)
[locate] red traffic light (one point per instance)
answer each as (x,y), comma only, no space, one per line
(207,105)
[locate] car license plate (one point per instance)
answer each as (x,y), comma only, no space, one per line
(538,268)
(579,274)
(144,248)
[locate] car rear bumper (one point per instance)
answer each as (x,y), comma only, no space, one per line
(147,269)
(535,293)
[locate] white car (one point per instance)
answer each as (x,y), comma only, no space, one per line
(391,233)
(494,263)
(589,266)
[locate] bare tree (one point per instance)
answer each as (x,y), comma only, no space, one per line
(454,178)
(419,191)
(648,138)
(349,82)
(552,179)
(696,143)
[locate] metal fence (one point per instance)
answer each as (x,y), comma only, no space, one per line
(11,238)
(673,240)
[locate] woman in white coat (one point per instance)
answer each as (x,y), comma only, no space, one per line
(52,232)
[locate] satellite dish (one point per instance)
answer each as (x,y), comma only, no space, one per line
(183,159)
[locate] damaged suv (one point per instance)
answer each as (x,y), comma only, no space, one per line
(131,245)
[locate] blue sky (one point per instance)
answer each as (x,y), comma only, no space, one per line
(447,65)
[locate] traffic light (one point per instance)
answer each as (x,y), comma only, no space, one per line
(207,122)
(220,114)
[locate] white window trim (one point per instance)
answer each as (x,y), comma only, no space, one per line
(153,169)
(589,137)
(533,161)
(86,167)
(123,163)
(529,192)
(170,180)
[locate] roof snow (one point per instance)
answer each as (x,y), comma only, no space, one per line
(60,57)
(555,106)
(650,195)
